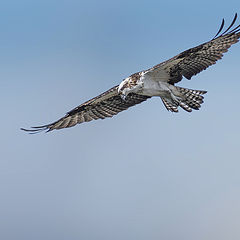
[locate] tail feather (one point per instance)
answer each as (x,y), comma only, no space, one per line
(189,99)
(170,106)
(186,107)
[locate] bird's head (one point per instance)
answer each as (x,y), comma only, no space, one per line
(123,86)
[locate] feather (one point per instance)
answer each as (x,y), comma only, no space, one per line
(93,109)
(187,64)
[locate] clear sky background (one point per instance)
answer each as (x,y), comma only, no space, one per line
(144,174)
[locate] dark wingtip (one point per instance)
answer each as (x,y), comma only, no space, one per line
(36,129)
(234,20)
(220,29)
(235,30)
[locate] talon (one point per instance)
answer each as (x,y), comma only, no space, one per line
(124,97)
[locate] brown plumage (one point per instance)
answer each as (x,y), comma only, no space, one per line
(185,64)
(105,105)
(197,59)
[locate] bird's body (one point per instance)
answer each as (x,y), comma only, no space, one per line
(150,85)
(157,81)
(141,83)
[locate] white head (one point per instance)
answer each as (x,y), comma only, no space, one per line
(123,85)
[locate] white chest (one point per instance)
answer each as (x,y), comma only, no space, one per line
(154,87)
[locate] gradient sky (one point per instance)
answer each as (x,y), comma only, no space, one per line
(144,174)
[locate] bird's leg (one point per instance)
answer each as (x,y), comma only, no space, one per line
(175,98)
(123,97)
(174,94)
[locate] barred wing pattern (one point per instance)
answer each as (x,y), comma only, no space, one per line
(185,64)
(103,106)
(197,59)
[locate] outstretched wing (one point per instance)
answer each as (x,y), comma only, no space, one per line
(197,59)
(103,106)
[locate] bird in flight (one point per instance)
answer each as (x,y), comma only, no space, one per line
(157,81)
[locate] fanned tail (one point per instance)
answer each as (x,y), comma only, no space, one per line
(190,99)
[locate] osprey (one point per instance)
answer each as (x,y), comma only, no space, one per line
(157,81)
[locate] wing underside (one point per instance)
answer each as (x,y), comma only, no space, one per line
(185,64)
(104,106)
(197,59)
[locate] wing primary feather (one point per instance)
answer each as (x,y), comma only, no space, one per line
(34,130)
(187,64)
(220,29)
(235,29)
(234,20)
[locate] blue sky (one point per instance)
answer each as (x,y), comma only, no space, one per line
(144,174)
